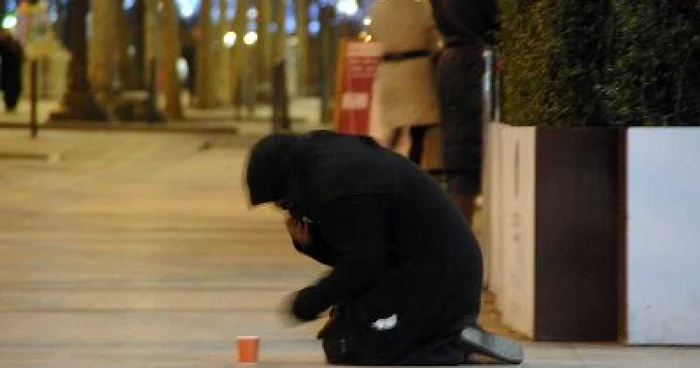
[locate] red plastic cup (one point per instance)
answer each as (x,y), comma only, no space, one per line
(248,348)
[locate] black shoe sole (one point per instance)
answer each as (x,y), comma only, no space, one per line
(496,347)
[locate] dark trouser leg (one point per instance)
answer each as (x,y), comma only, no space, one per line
(417,143)
(11,100)
(350,344)
(419,333)
(466,205)
(460,74)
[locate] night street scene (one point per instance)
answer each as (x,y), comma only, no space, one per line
(308,183)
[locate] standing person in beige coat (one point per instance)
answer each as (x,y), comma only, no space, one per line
(407,91)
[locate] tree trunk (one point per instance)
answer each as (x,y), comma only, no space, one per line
(223,90)
(327,62)
(266,42)
(125,70)
(278,44)
(171,53)
(78,102)
(152,38)
(138,36)
(302,15)
(204,91)
(238,50)
(102,66)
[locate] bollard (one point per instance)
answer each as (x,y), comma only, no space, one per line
(33,125)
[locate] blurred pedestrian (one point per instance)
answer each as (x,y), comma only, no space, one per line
(405,79)
(467,27)
(405,280)
(12,58)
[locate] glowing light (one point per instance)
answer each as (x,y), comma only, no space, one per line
(252,13)
(367,21)
(187,7)
(347,7)
(10,21)
(230,39)
(250,38)
(314,27)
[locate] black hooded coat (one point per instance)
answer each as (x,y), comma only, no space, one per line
(405,273)
(467,26)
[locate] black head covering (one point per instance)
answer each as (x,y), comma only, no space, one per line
(268,168)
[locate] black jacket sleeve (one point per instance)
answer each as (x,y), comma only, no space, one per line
(356,229)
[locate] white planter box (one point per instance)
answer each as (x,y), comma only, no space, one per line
(663,236)
(511,223)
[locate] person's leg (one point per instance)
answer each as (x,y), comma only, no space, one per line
(415,154)
(11,100)
(460,90)
(464,190)
(390,325)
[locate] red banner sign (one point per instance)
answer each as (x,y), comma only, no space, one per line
(358,63)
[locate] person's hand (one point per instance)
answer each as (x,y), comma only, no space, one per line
(305,306)
(299,307)
(284,311)
(299,231)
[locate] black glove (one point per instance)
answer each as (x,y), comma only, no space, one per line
(307,305)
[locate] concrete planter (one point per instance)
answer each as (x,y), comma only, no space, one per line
(662,278)
(554,225)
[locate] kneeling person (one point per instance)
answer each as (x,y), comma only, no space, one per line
(406,273)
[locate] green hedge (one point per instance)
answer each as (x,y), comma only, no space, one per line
(601,62)
(656,73)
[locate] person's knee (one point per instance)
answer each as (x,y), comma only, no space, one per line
(344,351)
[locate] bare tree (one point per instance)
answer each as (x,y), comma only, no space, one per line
(223,56)
(302,16)
(102,63)
(151,38)
(266,42)
(78,102)
(171,53)
(278,44)
(125,70)
(204,91)
(238,49)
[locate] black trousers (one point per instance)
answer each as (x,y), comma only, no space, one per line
(417,141)
(387,326)
(460,85)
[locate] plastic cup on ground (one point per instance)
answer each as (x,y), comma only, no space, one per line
(248,349)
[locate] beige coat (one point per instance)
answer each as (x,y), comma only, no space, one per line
(406,89)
